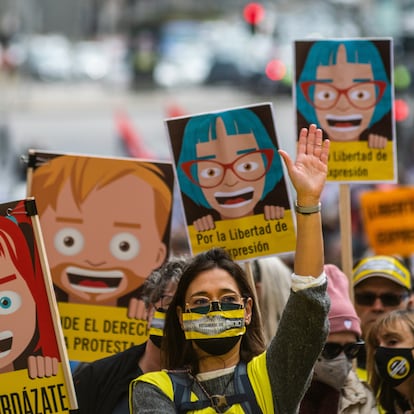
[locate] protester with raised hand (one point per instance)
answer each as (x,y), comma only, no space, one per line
(213,346)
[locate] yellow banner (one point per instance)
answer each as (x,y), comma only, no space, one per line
(247,237)
(93,332)
(388,218)
(355,161)
(20,394)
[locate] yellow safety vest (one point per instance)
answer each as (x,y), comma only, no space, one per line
(256,372)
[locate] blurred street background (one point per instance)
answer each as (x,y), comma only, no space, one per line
(100,76)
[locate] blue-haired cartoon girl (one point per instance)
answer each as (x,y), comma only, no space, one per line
(228,163)
(345,89)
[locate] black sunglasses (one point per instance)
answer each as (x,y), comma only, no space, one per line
(332,349)
(387,299)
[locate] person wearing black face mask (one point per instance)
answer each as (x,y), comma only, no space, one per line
(381,284)
(214,353)
(103,385)
(390,361)
(335,387)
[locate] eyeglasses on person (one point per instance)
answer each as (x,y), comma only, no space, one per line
(387,299)
(204,305)
(251,166)
(332,349)
(362,95)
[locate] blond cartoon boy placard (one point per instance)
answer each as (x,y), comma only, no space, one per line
(106,225)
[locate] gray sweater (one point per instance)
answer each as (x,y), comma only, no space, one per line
(290,357)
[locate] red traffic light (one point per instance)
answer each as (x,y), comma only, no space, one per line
(401,110)
(253,13)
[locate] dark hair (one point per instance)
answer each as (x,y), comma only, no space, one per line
(178,352)
(156,283)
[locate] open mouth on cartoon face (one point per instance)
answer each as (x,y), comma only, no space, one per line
(234,199)
(6,341)
(344,123)
(94,281)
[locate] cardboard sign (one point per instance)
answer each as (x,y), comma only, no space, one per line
(35,375)
(232,182)
(106,225)
(388,218)
(345,86)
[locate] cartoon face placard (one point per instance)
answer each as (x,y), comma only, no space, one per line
(232,182)
(106,225)
(345,87)
(34,367)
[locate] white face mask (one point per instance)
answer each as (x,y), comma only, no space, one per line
(332,372)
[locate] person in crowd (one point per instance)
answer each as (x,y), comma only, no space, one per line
(381,284)
(102,386)
(335,387)
(272,282)
(390,362)
(213,347)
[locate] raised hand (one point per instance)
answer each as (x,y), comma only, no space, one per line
(308,173)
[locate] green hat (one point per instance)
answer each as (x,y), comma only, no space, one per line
(387,267)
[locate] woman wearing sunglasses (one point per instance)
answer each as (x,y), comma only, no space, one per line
(335,387)
(213,340)
(390,361)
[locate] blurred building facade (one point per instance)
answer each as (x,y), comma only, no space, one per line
(80,18)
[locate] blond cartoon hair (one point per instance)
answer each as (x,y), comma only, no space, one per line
(88,173)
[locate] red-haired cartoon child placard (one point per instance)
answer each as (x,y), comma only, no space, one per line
(34,368)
